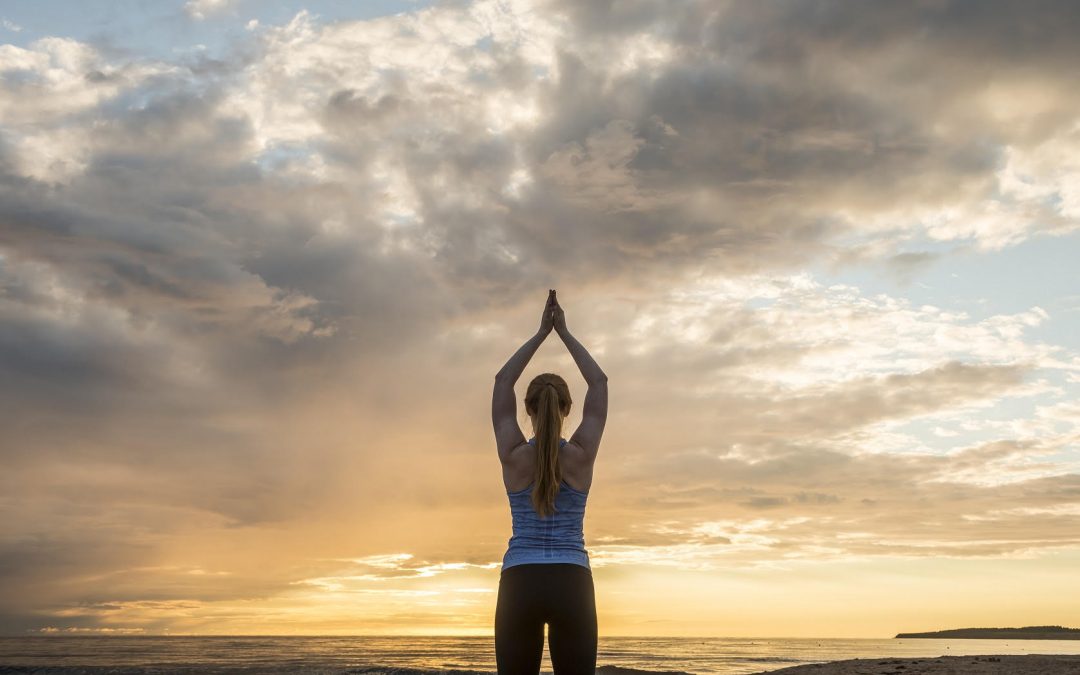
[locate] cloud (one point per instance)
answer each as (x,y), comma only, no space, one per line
(201,9)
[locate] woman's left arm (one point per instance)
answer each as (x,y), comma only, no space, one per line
(503,402)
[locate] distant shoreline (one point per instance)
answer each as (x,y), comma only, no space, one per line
(1025,633)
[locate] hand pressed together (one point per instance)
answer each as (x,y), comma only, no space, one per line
(553,317)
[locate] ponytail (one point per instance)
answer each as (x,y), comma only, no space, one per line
(548,400)
(548,433)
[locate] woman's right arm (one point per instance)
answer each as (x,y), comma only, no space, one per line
(594,411)
(585,363)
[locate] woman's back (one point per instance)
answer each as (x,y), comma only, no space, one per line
(575,465)
(557,538)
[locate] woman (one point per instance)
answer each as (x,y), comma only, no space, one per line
(546,577)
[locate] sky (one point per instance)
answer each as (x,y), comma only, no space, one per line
(260,261)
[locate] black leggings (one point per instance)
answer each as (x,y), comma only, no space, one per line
(558,594)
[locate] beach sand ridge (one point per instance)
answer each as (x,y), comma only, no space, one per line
(982,664)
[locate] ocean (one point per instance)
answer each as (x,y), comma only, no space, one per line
(400,655)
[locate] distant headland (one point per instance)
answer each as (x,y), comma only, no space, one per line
(1025,633)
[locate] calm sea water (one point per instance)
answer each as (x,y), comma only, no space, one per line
(459,655)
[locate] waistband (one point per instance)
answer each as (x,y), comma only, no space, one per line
(546,568)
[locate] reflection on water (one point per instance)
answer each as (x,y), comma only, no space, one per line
(143,654)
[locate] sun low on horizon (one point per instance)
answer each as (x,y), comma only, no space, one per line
(260,263)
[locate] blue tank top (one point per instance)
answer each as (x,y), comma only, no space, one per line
(558,538)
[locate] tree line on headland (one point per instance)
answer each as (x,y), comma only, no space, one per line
(1025,633)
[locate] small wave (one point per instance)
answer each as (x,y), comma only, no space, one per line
(383,670)
(619,670)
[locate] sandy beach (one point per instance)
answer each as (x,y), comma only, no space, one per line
(1015,664)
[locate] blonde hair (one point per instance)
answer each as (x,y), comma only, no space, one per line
(547,401)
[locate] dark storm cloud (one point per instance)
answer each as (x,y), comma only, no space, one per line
(798,109)
(144,230)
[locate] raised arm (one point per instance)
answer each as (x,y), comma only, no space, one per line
(594,412)
(503,401)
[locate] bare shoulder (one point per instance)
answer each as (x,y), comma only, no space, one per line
(520,454)
(574,455)
(517,467)
(578,465)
